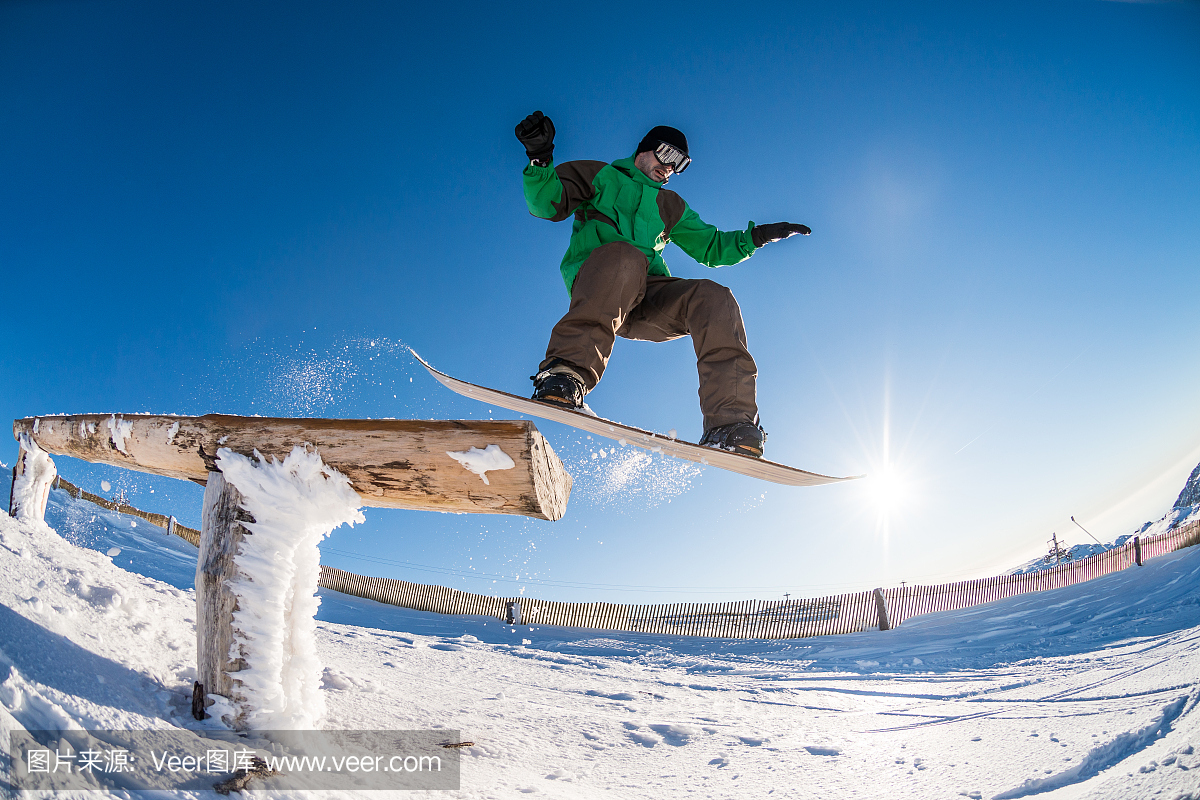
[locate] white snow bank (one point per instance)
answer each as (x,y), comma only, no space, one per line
(29,706)
(32,487)
(1063,698)
(295,503)
(482,461)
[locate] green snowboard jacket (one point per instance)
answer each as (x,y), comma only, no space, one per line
(617,202)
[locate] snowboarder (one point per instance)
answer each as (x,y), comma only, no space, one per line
(620,286)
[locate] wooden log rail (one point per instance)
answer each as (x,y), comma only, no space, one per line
(462,466)
(390,463)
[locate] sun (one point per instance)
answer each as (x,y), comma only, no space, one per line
(888,488)
(893,482)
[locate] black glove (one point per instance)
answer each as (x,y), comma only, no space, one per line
(536,132)
(773,232)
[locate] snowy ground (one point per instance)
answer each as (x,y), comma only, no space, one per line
(1090,691)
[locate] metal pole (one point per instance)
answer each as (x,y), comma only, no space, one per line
(1055,550)
(1089,533)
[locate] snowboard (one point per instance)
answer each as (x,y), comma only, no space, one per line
(629,435)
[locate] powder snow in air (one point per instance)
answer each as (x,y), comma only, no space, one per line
(483,461)
(295,504)
(610,476)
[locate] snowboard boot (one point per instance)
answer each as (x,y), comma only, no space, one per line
(559,385)
(737,437)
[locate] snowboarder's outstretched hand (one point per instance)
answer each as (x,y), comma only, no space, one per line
(536,132)
(773,232)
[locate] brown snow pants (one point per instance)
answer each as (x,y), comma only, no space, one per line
(613,296)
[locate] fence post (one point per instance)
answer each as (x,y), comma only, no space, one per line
(35,471)
(514,613)
(220,538)
(882,610)
(1137,550)
(171,525)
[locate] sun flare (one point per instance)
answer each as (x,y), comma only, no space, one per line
(888,488)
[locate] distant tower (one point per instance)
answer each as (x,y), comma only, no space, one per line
(1057,553)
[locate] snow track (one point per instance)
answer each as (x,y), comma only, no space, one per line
(1107,755)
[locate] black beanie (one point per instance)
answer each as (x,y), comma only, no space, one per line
(663,133)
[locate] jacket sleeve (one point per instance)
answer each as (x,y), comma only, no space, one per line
(709,246)
(554,193)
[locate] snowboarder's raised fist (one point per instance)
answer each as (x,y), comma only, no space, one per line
(536,132)
(773,232)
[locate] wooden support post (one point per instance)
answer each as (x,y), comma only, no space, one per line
(33,477)
(882,610)
(1137,550)
(221,534)
(256,583)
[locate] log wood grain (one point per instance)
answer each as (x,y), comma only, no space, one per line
(390,463)
(221,535)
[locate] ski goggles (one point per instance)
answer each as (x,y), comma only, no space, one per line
(671,156)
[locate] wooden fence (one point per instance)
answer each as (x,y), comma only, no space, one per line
(743,619)
(906,602)
(169,524)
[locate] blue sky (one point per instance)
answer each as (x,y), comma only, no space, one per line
(239,208)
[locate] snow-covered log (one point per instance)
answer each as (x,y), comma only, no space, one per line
(256,585)
(33,476)
(390,463)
